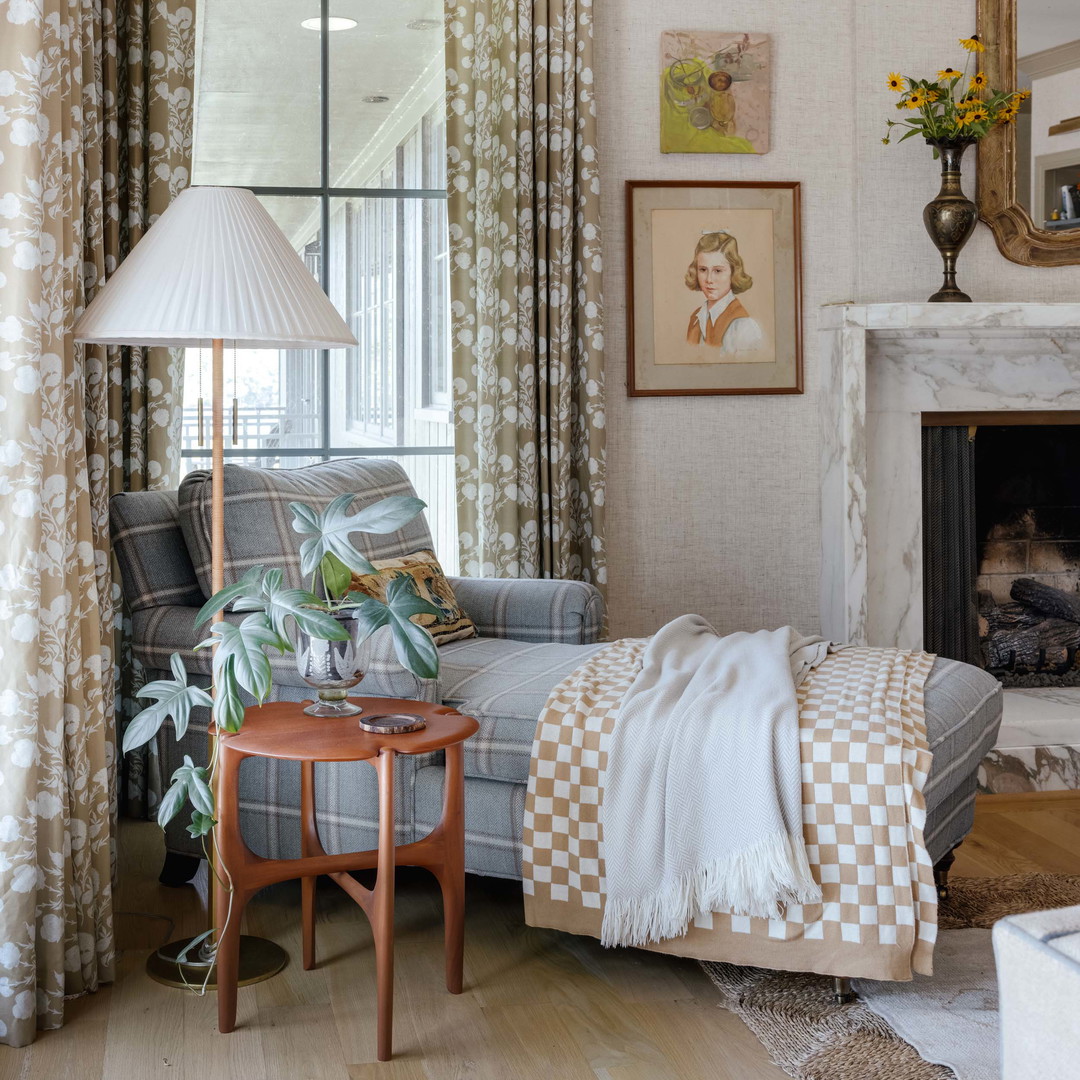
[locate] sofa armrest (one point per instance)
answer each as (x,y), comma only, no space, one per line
(532,609)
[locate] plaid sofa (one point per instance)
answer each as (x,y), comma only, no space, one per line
(532,634)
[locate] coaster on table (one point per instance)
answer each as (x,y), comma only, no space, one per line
(392,723)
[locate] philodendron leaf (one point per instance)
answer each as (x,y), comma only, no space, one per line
(202,798)
(337,577)
(201,824)
(174,698)
(280,602)
(228,706)
(248,586)
(173,800)
(328,532)
(413,645)
(244,645)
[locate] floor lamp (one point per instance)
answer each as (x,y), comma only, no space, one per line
(214,267)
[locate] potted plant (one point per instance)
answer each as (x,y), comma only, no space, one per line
(329,623)
(952,112)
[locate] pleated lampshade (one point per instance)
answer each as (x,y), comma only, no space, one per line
(214,265)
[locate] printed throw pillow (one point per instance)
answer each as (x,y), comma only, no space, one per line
(452,624)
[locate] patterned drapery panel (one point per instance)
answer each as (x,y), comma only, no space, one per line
(526,304)
(76,423)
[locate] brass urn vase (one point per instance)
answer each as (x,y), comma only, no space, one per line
(950,218)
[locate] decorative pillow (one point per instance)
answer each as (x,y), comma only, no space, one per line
(452,623)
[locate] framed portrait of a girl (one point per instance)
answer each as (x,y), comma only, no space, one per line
(714,291)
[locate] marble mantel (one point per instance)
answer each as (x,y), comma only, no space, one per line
(886,365)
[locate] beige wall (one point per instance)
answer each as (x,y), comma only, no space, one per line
(713,502)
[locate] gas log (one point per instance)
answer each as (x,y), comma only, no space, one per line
(1045,598)
(1049,644)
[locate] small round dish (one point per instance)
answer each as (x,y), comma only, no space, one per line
(392,723)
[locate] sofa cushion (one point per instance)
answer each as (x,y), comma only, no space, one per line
(258,522)
(504,685)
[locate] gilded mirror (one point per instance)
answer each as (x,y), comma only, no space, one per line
(1029,171)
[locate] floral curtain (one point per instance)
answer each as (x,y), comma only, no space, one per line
(76,77)
(526,304)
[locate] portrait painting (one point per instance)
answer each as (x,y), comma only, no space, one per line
(714,93)
(714,295)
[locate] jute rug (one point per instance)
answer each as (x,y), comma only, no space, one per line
(811,1038)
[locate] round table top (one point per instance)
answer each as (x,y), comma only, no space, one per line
(282,730)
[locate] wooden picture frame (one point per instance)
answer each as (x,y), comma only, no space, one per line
(714,288)
(1018,237)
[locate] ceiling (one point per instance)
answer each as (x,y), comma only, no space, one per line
(1042,24)
(257,87)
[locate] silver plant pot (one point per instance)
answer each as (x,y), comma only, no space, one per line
(332,667)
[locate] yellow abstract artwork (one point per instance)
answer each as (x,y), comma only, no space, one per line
(714,93)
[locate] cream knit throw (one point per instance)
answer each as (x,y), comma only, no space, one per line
(702,803)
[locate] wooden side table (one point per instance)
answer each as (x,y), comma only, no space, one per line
(281,730)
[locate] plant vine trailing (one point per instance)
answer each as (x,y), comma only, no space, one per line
(241,663)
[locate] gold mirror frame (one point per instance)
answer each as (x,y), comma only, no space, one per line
(1017,236)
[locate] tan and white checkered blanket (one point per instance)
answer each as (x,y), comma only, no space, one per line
(864,762)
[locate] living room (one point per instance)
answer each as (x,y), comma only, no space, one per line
(345,367)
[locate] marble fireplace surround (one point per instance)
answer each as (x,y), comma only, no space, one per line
(886,365)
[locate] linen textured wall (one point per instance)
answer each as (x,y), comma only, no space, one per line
(95,102)
(526,302)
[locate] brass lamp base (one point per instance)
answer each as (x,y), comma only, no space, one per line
(260,959)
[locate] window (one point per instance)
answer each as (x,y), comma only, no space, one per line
(342,136)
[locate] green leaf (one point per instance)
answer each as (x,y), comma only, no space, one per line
(202,798)
(201,824)
(173,698)
(244,645)
(335,574)
(173,800)
(280,602)
(415,648)
(402,598)
(330,530)
(248,585)
(228,705)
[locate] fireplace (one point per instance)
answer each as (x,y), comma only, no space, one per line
(1002,547)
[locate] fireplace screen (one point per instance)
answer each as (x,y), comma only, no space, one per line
(1019,487)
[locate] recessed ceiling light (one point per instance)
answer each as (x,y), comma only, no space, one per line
(334,22)
(375,99)
(423,24)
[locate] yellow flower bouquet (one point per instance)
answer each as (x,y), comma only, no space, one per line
(956,105)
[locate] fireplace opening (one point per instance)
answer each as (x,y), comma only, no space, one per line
(1002,549)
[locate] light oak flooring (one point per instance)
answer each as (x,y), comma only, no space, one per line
(537,1004)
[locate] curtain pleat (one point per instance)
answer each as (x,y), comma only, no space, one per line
(68,415)
(526,301)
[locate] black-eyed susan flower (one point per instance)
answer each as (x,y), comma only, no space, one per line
(977,114)
(933,95)
(896,82)
(916,99)
(973,44)
(1007,115)
(949,73)
(978,81)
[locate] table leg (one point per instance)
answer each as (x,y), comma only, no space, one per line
(228,903)
(382,922)
(452,877)
(309,845)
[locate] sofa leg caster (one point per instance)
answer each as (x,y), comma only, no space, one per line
(842,992)
(178,870)
(941,874)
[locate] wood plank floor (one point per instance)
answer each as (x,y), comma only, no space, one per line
(537,1004)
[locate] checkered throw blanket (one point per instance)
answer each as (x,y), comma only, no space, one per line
(864,761)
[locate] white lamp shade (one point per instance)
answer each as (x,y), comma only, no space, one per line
(214,265)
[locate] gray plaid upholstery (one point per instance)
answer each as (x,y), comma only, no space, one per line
(258,522)
(154,562)
(501,681)
(963,714)
(568,612)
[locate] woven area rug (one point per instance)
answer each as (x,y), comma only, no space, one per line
(811,1038)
